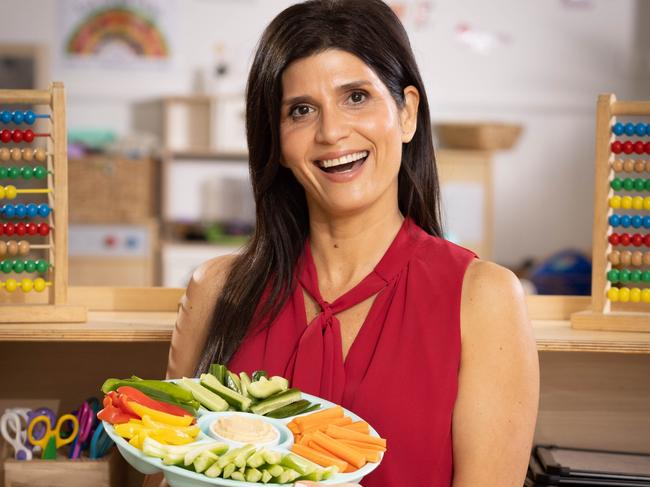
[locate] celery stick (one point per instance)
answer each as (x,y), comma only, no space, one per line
(204,461)
(329,471)
(173,459)
(228,457)
(242,456)
(253,475)
(214,471)
(237,475)
(289,475)
(216,447)
(297,463)
(255,460)
(228,470)
(271,457)
(275,470)
(266,476)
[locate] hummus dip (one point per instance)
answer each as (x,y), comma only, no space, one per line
(244,429)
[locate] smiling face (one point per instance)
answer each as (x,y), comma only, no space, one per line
(341,133)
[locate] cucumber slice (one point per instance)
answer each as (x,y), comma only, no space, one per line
(219,371)
(259,374)
(209,399)
(232,381)
(284,383)
(236,400)
(264,389)
(245,382)
(277,401)
(292,409)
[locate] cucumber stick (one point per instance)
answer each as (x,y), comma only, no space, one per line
(277,401)
(236,400)
(209,399)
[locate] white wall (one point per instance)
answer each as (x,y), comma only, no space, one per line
(547,77)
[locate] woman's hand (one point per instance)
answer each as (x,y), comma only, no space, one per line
(307,483)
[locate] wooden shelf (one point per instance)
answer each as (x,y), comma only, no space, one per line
(144,326)
(209,155)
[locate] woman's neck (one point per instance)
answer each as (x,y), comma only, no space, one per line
(347,249)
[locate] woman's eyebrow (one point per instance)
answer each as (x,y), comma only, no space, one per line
(342,88)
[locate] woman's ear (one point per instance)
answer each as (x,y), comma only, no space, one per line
(409,113)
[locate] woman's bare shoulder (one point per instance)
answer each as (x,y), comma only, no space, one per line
(194,314)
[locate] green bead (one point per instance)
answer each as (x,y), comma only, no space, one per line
(41,266)
(635,276)
(647,184)
(624,276)
(645,276)
(613,276)
(12,172)
(30,265)
(6,266)
(639,184)
(628,184)
(26,172)
(19,266)
(40,172)
(616,184)
(3,173)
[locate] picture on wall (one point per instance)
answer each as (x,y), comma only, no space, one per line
(110,33)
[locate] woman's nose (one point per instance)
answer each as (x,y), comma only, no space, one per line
(333,126)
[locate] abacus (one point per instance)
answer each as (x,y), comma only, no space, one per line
(620,286)
(41,156)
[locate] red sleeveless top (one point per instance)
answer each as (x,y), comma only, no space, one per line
(401,372)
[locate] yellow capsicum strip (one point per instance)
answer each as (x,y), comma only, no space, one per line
(167,419)
(193,430)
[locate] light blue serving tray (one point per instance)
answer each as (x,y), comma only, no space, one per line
(180,477)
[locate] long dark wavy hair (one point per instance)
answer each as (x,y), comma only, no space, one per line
(371,31)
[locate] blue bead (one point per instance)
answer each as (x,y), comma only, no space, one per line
(20,211)
(29,117)
(5,116)
(32,210)
(629,128)
(646,221)
(614,220)
(640,129)
(618,128)
(18,116)
(636,221)
(625,221)
(43,210)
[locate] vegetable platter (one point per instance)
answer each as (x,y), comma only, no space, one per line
(253,431)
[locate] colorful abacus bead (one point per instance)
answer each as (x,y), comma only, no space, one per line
(26,285)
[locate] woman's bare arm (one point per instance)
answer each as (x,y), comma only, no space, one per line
(496,409)
(192,325)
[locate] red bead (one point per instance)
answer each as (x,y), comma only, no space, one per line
(617,147)
(28,136)
(628,147)
(647,147)
(614,239)
(5,136)
(646,240)
(17,136)
(43,229)
(639,147)
(20,229)
(9,229)
(637,240)
(2,230)
(625,239)
(31,228)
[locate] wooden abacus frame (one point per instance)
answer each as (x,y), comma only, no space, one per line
(20,308)
(632,317)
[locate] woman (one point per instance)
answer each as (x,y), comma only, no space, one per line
(347,287)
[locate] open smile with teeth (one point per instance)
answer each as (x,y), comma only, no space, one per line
(345,163)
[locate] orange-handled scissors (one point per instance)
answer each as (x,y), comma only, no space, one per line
(52,440)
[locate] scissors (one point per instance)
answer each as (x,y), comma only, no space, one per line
(100,443)
(40,429)
(85,420)
(52,440)
(12,427)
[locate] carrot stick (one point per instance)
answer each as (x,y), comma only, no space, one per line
(350,468)
(324,451)
(318,457)
(365,446)
(339,449)
(371,455)
(345,434)
(320,416)
(322,426)
(293,428)
(360,426)
(304,439)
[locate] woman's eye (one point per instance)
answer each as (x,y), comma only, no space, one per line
(357,97)
(300,111)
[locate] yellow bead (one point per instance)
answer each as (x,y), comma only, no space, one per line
(637,203)
(646,203)
(39,284)
(645,295)
(626,202)
(624,294)
(612,294)
(10,192)
(11,285)
(635,295)
(2,192)
(27,285)
(615,202)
